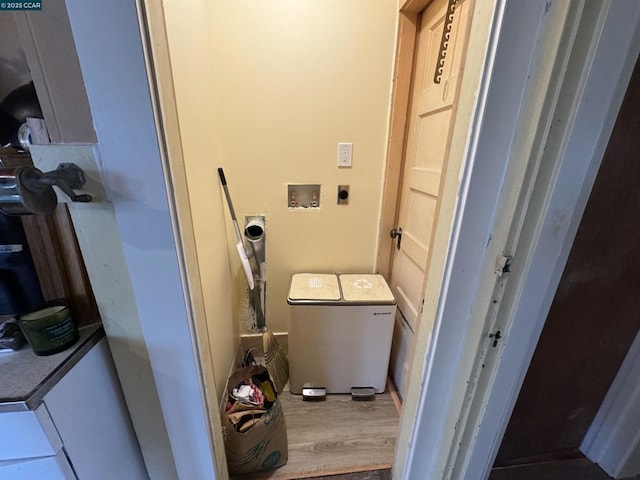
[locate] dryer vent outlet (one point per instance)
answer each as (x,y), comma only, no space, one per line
(343,194)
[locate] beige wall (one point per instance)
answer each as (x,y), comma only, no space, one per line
(267,89)
(188,33)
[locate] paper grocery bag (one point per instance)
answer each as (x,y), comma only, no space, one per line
(264,445)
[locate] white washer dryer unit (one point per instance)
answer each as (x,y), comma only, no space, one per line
(340,331)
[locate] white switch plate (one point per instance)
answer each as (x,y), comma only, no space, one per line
(345,154)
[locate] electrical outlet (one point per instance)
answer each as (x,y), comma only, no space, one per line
(345,154)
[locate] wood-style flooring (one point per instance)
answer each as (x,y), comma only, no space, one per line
(337,439)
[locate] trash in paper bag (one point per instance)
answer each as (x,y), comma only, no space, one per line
(255,433)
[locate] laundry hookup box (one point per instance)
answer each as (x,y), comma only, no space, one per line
(340,331)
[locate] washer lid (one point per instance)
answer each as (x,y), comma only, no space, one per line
(366,289)
(315,287)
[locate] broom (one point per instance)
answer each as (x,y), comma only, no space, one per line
(274,357)
(276,360)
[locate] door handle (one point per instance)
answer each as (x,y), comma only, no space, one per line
(397,234)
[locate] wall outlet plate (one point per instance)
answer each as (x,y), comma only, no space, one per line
(345,154)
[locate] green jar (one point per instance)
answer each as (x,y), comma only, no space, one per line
(49,330)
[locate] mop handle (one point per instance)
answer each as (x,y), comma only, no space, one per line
(240,245)
(223,180)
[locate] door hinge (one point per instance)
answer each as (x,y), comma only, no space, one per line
(496,336)
(503,265)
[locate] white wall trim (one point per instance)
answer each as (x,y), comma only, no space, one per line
(458,329)
(110,51)
(553,218)
(613,440)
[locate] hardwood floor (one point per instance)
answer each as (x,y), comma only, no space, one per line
(337,439)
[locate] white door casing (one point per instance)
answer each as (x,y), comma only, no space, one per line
(130,158)
(584,120)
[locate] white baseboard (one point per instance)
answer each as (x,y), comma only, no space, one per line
(613,440)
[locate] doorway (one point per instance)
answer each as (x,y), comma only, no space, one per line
(593,319)
(441,37)
(269,164)
(445,235)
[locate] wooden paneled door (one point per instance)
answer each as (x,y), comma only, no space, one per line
(595,314)
(428,134)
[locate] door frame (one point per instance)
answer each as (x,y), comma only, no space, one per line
(158,64)
(461,416)
(407,29)
(484,13)
(133,169)
(399,117)
(477,33)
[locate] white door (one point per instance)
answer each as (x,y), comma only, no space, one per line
(432,111)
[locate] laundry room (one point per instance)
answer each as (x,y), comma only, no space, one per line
(286,119)
(267,91)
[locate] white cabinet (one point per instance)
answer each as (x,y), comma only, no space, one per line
(90,415)
(31,448)
(27,434)
(55,467)
(81,430)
